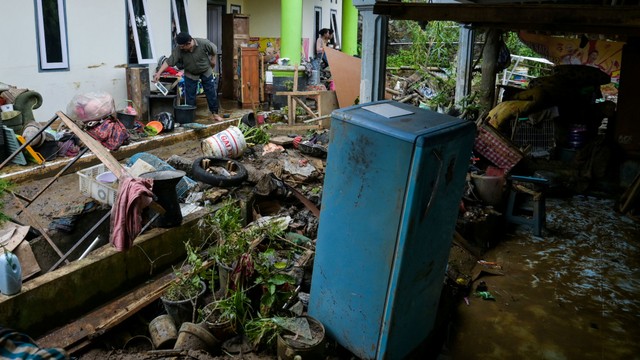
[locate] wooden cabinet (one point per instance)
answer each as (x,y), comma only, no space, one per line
(235,34)
(249,79)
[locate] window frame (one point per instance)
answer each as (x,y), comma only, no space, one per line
(136,37)
(176,15)
(43,62)
(317,10)
(333,24)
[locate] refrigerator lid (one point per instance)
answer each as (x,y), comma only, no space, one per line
(402,121)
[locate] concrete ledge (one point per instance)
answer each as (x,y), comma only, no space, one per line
(17,173)
(50,300)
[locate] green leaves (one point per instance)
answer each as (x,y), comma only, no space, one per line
(256,134)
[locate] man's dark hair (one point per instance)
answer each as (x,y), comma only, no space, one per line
(183,38)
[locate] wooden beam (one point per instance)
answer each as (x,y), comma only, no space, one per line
(304,106)
(590,19)
(76,335)
(96,147)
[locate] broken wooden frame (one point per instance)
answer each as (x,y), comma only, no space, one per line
(326,101)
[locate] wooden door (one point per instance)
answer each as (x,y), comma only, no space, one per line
(250,77)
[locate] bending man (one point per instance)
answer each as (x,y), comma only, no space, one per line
(198,57)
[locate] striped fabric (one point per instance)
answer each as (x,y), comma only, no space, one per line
(15,345)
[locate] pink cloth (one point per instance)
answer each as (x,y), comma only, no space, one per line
(134,194)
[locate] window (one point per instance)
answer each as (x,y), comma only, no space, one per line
(140,33)
(180,16)
(52,34)
(317,24)
(335,28)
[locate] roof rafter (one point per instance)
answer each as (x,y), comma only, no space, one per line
(591,19)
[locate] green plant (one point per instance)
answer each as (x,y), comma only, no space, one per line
(256,134)
(226,224)
(235,308)
(189,281)
(277,286)
(262,331)
(227,219)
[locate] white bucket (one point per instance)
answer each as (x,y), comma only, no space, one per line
(490,189)
(228,143)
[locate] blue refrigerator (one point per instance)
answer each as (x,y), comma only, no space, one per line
(393,182)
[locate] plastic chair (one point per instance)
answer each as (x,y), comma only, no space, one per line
(527,203)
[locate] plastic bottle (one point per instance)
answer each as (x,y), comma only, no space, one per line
(10,274)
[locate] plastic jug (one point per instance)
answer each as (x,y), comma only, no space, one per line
(10,274)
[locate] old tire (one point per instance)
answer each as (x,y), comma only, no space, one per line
(200,173)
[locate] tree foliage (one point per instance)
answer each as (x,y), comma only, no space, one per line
(424,47)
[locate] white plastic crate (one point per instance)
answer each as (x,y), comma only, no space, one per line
(103,192)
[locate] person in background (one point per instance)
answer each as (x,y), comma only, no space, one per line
(321,43)
(198,56)
(332,41)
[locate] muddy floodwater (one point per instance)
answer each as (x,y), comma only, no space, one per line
(571,294)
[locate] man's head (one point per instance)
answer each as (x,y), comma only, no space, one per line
(183,40)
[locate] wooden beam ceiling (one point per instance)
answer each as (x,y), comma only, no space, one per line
(621,21)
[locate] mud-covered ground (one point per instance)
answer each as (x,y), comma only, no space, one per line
(571,293)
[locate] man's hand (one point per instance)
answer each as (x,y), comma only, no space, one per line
(163,67)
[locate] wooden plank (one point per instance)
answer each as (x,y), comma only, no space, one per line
(317,118)
(75,335)
(304,106)
(310,92)
(37,225)
(345,72)
(293,129)
(102,153)
(96,147)
(78,334)
(291,110)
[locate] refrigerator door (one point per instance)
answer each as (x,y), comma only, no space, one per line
(393,180)
(434,190)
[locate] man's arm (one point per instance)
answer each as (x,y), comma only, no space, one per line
(212,50)
(163,67)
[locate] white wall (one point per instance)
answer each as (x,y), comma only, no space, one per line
(308,18)
(97,40)
(264,17)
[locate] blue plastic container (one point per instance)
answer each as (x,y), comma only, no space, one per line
(10,274)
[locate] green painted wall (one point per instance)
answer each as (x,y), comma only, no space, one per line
(349,28)
(291,33)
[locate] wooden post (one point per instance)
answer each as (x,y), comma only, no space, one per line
(138,90)
(292,104)
(489,67)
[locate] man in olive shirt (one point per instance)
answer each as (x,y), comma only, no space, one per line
(198,57)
